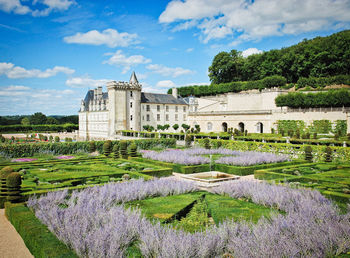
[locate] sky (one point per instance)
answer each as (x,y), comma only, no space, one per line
(53,51)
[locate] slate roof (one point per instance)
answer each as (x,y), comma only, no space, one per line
(161,99)
(90,96)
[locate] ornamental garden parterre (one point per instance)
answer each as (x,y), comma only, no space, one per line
(119,199)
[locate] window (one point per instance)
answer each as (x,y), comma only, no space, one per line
(176,117)
(166,117)
(176,108)
(158,117)
(210,126)
(167,108)
(184,117)
(184,108)
(130,117)
(130,104)
(158,108)
(147,117)
(130,94)
(143,118)
(147,108)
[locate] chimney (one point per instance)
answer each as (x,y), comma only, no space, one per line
(95,94)
(174,92)
(99,92)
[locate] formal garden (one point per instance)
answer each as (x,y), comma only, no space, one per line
(120,198)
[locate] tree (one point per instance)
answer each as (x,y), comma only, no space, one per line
(25,121)
(160,127)
(226,67)
(176,126)
(166,127)
(198,128)
(38,119)
(51,121)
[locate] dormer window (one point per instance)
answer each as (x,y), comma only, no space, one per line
(130,94)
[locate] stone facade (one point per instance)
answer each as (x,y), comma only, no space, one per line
(125,107)
(253,111)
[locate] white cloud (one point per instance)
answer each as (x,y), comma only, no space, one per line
(253,20)
(148,88)
(168,71)
(14,6)
(16,72)
(119,59)
(17,7)
(25,100)
(197,84)
(188,50)
(85,81)
(110,37)
(251,51)
(165,84)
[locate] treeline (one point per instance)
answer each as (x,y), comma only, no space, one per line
(332,98)
(318,57)
(38,119)
(268,82)
(38,128)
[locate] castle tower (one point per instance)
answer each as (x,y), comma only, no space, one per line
(124,105)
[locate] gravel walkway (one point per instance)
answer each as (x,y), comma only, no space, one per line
(11,243)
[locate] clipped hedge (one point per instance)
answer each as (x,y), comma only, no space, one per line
(206,90)
(295,150)
(38,128)
(64,148)
(39,240)
(331,98)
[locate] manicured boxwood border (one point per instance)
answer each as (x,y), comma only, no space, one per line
(39,240)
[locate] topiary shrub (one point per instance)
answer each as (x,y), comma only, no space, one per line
(92,146)
(328,154)
(13,183)
(133,150)
(123,149)
(57,139)
(308,153)
(206,143)
(51,138)
(4,172)
(115,151)
(315,135)
(188,140)
(297,134)
(107,148)
(282,132)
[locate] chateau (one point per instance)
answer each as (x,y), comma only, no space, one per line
(125,107)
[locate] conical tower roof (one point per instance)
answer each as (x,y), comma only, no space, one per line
(133,78)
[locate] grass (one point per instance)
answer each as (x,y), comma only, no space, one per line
(192,211)
(41,176)
(164,208)
(224,207)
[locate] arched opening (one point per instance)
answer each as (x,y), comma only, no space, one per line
(259,127)
(210,126)
(241,127)
(224,127)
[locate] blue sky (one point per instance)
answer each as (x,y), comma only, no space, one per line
(53,51)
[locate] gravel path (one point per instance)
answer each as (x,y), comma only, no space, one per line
(11,243)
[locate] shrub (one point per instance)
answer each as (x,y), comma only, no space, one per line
(51,138)
(107,148)
(133,150)
(328,154)
(315,135)
(92,146)
(188,140)
(13,184)
(123,149)
(308,153)
(307,135)
(116,151)
(4,172)
(206,143)
(348,136)
(57,139)
(297,134)
(282,132)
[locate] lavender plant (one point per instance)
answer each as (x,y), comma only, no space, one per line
(94,225)
(194,156)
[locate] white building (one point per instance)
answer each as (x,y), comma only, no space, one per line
(125,107)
